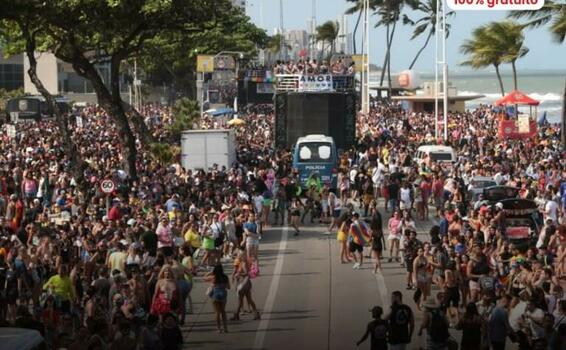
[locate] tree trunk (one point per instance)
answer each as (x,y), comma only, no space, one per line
(389,59)
(385,60)
(78,166)
(499,79)
(563,128)
(515,84)
(356,29)
(114,107)
(421,50)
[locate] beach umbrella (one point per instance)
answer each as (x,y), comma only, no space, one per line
(236,121)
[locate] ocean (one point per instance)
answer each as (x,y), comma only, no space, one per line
(545,86)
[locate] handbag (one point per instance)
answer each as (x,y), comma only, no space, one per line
(254,270)
(209,291)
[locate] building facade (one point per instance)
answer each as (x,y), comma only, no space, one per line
(11,72)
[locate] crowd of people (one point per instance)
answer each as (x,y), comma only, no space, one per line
(118,270)
(471,273)
(312,66)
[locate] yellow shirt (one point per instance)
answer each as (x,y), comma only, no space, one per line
(117,261)
(62,287)
(193,238)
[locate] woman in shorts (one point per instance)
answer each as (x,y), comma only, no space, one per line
(377,238)
(295,209)
(394,235)
(342,238)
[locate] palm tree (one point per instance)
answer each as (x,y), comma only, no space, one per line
(359,8)
(328,32)
(274,44)
(552,12)
(494,44)
(509,36)
(428,8)
(389,12)
(482,53)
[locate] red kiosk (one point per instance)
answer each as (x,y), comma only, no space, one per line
(510,128)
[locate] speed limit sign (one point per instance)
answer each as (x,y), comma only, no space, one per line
(107,186)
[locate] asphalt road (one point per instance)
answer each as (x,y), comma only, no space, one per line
(307,298)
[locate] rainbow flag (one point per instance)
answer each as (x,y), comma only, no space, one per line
(360,233)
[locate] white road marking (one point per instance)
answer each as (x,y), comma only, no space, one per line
(270,300)
(382,288)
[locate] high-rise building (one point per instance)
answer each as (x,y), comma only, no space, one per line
(345,38)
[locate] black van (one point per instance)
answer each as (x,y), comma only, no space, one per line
(34,108)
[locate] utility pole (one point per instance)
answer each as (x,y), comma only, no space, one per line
(436,30)
(282,45)
(441,30)
(365,61)
(444,72)
(563,124)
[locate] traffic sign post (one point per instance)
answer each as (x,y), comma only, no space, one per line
(14,116)
(107,186)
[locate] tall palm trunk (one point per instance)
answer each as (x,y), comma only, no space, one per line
(389,59)
(386,59)
(515,84)
(421,50)
(499,79)
(356,29)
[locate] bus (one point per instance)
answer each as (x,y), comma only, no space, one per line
(316,154)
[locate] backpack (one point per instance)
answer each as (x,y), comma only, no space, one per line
(487,283)
(438,327)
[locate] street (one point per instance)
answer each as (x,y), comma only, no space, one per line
(307,298)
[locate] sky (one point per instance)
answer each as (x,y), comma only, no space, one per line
(544,53)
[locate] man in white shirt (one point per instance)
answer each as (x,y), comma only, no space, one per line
(551,209)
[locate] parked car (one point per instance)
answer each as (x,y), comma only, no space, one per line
(477,184)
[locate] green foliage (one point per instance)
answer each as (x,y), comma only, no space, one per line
(494,44)
(5,96)
(163,153)
(185,113)
(274,44)
(328,33)
(553,12)
(170,58)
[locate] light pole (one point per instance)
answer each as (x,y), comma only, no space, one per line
(441,30)
(365,61)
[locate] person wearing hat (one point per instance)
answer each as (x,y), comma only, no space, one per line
(377,329)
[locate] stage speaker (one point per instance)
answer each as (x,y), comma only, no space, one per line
(332,114)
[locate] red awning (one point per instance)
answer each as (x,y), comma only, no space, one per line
(516,98)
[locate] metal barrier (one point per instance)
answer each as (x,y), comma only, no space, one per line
(320,82)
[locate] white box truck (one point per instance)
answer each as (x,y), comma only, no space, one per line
(201,149)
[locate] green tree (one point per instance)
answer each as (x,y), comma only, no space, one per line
(553,12)
(274,44)
(427,21)
(389,12)
(85,33)
(328,33)
(185,113)
(358,7)
(6,95)
(483,53)
(170,58)
(508,37)
(24,36)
